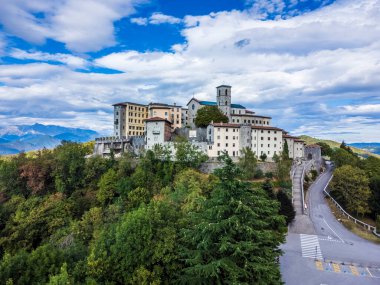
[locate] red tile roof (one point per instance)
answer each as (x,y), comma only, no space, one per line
(157,119)
(267,128)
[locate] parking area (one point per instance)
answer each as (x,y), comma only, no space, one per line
(347,269)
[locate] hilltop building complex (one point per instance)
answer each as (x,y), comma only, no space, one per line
(138,126)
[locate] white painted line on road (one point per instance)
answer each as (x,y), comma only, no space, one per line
(328,182)
(333,231)
(370,274)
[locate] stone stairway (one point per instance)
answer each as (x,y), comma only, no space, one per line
(302,223)
(297,196)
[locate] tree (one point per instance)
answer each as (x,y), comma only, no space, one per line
(268,188)
(350,187)
(140,247)
(234,239)
(374,201)
(207,114)
(286,207)
(326,150)
(342,157)
(107,187)
(263,157)
(69,167)
(247,163)
(378,224)
(344,146)
(188,155)
(285,152)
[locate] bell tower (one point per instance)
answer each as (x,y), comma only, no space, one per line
(223,99)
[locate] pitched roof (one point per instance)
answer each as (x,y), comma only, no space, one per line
(314,146)
(267,128)
(129,103)
(212,103)
(290,137)
(226,125)
(157,119)
(223,86)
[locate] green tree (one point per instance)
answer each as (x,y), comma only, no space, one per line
(188,155)
(268,188)
(247,163)
(350,187)
(378,224)
(263,157)
(69,167)
(234,239)
(107,187)
(62,278)
(326,150)
(286,207)
(141,247)
(285,152)
(342,157)
(207,114)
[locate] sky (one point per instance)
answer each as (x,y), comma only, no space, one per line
(312,65)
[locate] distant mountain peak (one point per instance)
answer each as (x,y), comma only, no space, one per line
(17,138)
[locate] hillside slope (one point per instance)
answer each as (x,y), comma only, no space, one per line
(334,144)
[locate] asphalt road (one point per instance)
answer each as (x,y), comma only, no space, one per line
(332,254)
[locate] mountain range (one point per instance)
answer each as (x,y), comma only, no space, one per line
(15,139)
(371,147)
(361,149)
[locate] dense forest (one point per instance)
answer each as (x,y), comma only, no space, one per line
(356,182)
(67,219)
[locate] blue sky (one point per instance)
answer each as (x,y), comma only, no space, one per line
(313,65)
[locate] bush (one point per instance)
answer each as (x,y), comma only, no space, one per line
(259,174)
(314,174)
(269,175)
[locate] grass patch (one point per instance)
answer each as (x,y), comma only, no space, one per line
(351,226)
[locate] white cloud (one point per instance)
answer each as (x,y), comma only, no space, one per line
(82,25)
(139,21)
(156,19)
(68,59)
(159,18)
(317,73)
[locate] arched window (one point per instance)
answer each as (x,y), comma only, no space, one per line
(193,107)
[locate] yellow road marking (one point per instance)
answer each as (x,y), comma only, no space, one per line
(319,265)
(336,267)
(354,270)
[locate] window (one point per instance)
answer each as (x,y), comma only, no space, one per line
(219,95)
(166,113)
(268,138)
(117,113)
(262,146)
(226,144)
(218,152)
(226,130)
(226,103)
(268,132)
(268,145)
(218,137)
(210,147)
(225,92)
(275,139)
(262,131)
(218,129)
(233,145)
(218,144)
(262,138)
(226,137)
(275,132)
(193,106)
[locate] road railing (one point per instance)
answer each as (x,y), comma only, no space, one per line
(356,221)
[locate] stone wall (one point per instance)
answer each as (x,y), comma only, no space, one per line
(212,164)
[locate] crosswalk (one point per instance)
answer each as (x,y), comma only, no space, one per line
(310,246)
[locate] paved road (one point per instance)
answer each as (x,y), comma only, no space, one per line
(331,254)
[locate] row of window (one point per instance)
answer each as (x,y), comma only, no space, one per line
(137,108)
(132,114)
(136,128)
(136,121)
(245,121)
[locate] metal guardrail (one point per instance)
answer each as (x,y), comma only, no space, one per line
(356,221)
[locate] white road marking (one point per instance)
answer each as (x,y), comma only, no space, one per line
(333,231)
(310,246)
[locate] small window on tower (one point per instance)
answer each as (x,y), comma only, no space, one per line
(226,92)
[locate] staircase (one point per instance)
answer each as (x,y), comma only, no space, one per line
(297,195)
